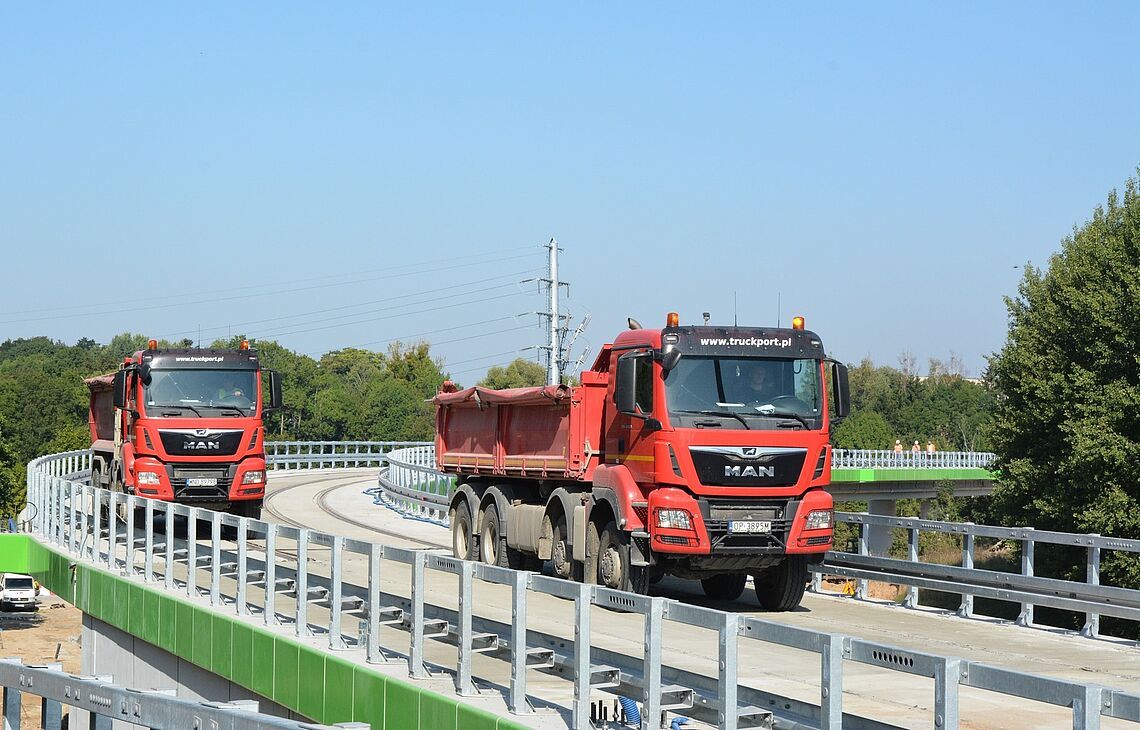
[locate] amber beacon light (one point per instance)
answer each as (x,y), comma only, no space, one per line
(672,319)
(797,323)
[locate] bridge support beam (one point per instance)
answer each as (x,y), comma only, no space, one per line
(879,536)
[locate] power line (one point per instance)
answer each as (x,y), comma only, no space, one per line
(486,255)
(236,297)
(423,334)
(275,331)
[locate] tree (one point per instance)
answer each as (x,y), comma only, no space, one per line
(864,430)
(519,374)
(1067,425)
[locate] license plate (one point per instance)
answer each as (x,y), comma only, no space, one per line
(202,482)
(762,526)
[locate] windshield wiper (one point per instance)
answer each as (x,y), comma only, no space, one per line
(727,414)
(782,414)
(179,405)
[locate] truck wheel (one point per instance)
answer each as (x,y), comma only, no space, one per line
(461,535)
(493,546)
(561,557)
(250,509)
(725,586)
(781,587)
(615,569)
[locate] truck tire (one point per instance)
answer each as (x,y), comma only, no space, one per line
(724,586)
(462,536)
(781,587)
(250,509)
(615,568)
(493,547)
(561,557)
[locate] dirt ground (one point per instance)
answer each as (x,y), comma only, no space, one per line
(48,635)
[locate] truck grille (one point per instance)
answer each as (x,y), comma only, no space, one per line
(718,513)
(748,466)
(181,475)
(200,442)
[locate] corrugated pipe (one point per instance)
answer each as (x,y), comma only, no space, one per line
(632,714)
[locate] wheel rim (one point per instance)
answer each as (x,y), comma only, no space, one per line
(609,566)
(559,554)
(463,540)
(490,543)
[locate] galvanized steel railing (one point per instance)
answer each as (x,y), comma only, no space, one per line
(69,517)
(876,459)
(106,702)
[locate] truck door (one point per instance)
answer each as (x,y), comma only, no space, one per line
(627,437)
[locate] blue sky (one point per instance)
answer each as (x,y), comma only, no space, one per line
(342,176)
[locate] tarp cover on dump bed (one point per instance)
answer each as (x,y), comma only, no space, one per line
(100,382)
(509,396)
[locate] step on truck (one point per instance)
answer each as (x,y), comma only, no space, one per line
(183,425)
(695,451)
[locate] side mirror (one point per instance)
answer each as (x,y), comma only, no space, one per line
(670,359)
(274,391)
(119,386)
(144,373)
(841,392)
(625,389)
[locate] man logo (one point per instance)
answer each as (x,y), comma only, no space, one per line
(201,445)
(750,471)
(749,450)
(201,432)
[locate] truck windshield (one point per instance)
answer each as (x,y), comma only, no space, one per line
(18,584)
(755,393)
(185,393)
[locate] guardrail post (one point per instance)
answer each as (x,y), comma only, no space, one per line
(946,676)
(912,533)
(129,524)
(966,608)
(1086,709)
(148,558)
(84,521)
(831,653)
(372,652)
(215,558)
(861,584)
(517,700)
(240,601)
(727,668)
(301,620)
(463,684)
(1025,618)
(168,558)
(336,593)
(191,551)
(269,606)
(72,518)
(582,633)
(96,527)
(1091,629)
(651,665)
(11,708)
(51,713)
(112,528)
(416,653)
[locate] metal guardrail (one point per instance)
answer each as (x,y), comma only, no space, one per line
(413,485)
(107,702)
(877,459)
(288,455)
(70,518)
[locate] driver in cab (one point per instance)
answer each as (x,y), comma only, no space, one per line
(229,390)
(759,386)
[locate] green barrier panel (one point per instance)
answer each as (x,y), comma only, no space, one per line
(305,679)
(864,476)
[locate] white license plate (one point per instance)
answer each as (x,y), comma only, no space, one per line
(202,482)
(762,526)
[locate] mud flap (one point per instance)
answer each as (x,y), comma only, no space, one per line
(639,553)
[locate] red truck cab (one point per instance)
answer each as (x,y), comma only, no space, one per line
(183,425)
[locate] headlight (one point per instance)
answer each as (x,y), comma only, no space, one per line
(253,477)
(675,519)
(819,519)
(149,478)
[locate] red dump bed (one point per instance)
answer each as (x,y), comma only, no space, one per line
(548,432)
(101,414)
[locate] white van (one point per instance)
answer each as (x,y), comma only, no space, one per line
(17,591)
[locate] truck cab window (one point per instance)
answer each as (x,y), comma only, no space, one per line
(644,391)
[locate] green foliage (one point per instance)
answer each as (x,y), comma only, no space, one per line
(519,374)
(1067,425)
(864,430)
(944,407)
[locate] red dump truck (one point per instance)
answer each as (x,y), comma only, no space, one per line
(183,425)
(695,451)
